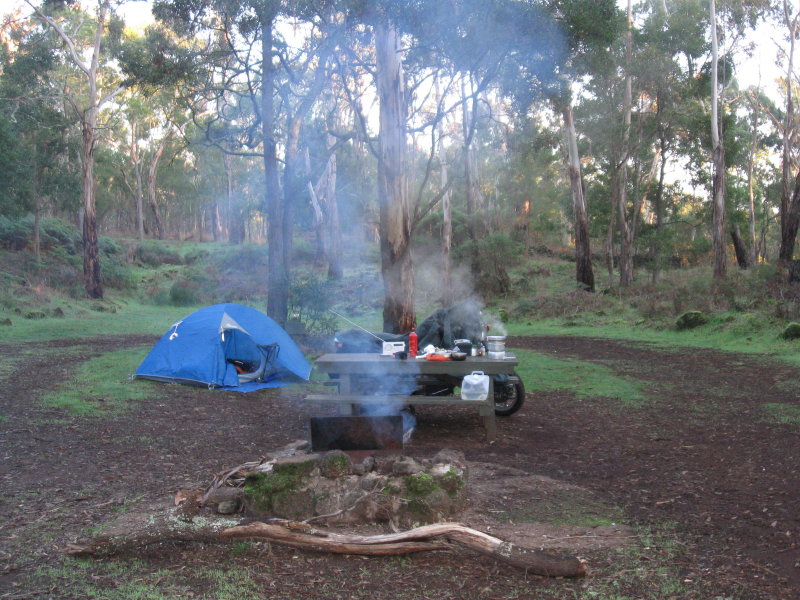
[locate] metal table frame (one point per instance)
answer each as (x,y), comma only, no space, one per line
(353,370)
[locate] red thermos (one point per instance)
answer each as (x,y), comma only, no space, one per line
(412,343)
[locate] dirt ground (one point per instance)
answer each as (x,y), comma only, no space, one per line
(706,487)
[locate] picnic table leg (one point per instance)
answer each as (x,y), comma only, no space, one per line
(345,390)
(488,414)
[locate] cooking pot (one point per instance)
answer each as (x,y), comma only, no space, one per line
(463,345)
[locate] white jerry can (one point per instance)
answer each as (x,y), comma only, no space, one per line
(475,386)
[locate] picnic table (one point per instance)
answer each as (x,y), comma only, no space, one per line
(373,379)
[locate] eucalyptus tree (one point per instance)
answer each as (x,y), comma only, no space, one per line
(36,133)
(256,88)
(790,196)
(90,45)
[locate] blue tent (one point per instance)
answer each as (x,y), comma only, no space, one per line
(229,347)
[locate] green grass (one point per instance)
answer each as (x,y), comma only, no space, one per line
(565,507)
(80,320)
(781,412)
(101,385)
(136,580)
(730,333)
(541,372)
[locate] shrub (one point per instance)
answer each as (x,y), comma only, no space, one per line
(310,297)
(154,254)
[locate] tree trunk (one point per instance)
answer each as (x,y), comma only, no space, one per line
(326,219)
(236,217)
(474,201)
(718,186)
(91,250)
(583,254)
(739,247)
(656,248)
(788,213)
(278,277)
(393,200)
(792,222)
(291,188)
(137,172)
(621,174)
(751,160)
(447,219)
(152,175)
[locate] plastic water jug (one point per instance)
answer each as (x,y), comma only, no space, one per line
(475,386)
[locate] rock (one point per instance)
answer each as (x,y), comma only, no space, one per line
(690,319)
(335,464)
(228,507)
(297,465)
(792,331)
(450,456)
(405,465)
(369,464)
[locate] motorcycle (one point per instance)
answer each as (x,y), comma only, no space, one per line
(442,329)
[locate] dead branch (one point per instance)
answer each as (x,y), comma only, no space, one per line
(134,531)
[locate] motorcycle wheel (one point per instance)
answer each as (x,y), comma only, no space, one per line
(508,397)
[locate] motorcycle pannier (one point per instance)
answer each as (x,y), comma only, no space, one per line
(475,386)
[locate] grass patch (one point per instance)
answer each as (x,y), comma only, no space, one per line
(781,412)
(84,319)
(570,506)
(135,579)
(583,379)
(101,385)
(729,332)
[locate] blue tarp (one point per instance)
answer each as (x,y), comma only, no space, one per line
(205,347)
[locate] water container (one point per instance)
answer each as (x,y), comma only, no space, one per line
(475,386)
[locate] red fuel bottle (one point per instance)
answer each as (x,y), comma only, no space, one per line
(412,344)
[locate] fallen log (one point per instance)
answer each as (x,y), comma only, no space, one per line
(139,530)
(535,561)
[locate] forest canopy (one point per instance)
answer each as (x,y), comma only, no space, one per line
(630,136)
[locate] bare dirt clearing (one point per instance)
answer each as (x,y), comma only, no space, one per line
(698,464)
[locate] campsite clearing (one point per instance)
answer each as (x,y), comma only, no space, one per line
(701,470)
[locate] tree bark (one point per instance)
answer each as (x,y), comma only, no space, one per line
(137,172)
(751,160)
(152,177)
(278,277)
(393,199)
(789,214)
(621,172)
(234,210)
(583,254)
(718,152)
(739,247)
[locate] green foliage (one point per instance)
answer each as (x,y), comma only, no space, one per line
(420,485)
(690,319)
(153,254)
(490,257)
(310,298)
(791,332)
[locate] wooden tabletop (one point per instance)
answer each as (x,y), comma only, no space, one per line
(378,365)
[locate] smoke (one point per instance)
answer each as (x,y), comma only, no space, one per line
(494,323)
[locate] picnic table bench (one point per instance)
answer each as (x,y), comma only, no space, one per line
(374,379)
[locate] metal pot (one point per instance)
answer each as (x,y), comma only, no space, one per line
(496,343)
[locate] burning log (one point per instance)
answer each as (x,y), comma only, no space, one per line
(133,532)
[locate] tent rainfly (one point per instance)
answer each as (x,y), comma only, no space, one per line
(229,347)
